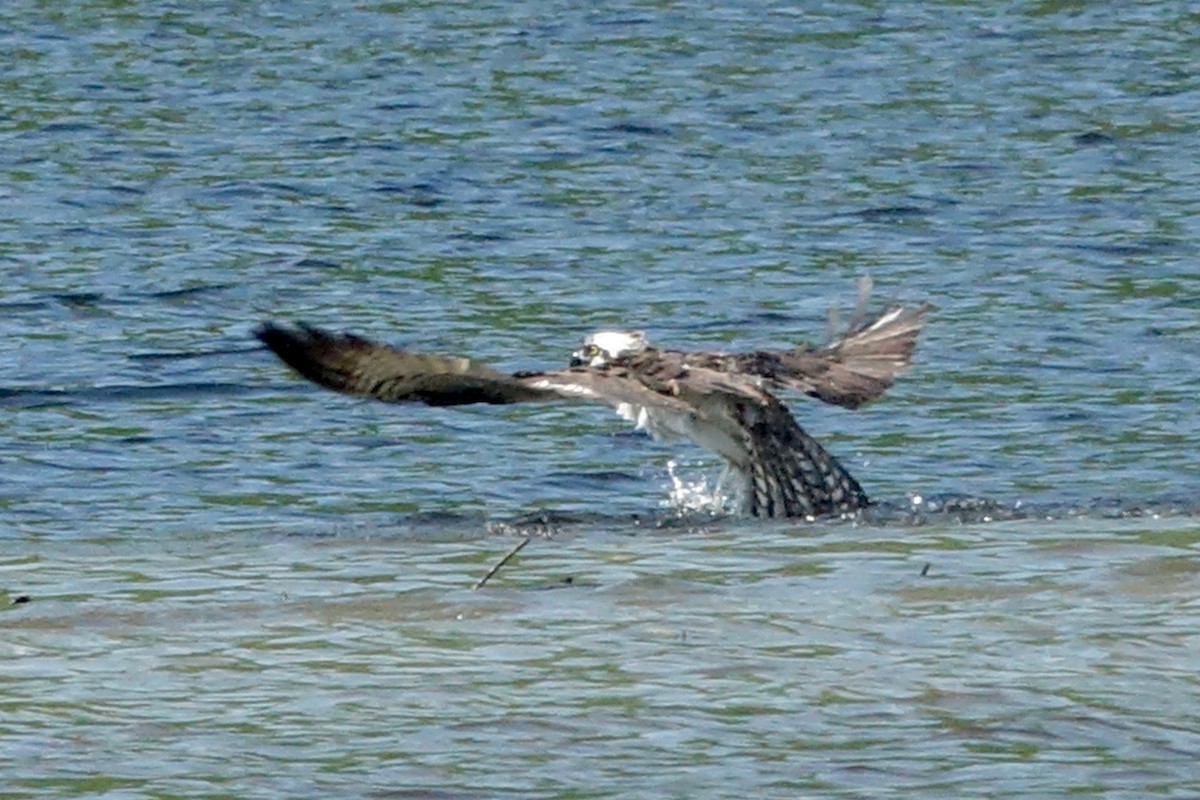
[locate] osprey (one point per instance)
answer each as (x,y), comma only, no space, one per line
(723,402)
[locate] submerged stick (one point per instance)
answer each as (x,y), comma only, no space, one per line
(502,562)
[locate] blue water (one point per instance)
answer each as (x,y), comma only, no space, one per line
(243,586)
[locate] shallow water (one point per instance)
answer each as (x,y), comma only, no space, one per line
(240,586)
(1032,659)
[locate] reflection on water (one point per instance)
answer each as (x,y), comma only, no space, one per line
(240,586)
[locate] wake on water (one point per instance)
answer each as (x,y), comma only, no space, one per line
(694,496)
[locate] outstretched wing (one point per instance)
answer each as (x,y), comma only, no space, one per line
(850,371)
(360,367)
(356,366)
(858,367)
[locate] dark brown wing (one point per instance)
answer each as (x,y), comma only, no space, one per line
(360,367)
(851,371)
(860,366)
(356,366)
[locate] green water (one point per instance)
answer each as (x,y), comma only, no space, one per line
(241,587)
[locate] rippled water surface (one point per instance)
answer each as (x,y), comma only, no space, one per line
(219,581)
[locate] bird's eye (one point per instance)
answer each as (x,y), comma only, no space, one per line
(591,351)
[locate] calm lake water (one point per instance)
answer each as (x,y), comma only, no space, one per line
(239,586)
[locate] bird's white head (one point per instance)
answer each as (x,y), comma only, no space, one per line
(604,347)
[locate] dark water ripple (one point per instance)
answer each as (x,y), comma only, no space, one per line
(242,586)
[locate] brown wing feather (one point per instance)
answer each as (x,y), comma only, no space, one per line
(860,366)
(356,366)
(851,371)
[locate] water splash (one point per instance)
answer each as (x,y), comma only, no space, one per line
(686,496)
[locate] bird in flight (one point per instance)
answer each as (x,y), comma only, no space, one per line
(724,402)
